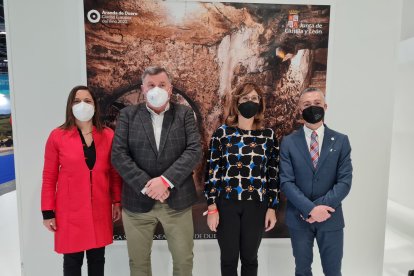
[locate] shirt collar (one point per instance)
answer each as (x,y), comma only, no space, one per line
(152,112)
(308,132)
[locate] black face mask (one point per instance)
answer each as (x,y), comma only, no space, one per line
(248,109)
(313,114)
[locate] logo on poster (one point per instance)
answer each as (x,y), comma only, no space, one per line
(93,16)
(294,26)
(293,19)
(111,16)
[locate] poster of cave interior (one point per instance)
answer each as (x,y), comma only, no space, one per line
(208,48)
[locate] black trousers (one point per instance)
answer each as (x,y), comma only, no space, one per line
(239,233)
(72,262)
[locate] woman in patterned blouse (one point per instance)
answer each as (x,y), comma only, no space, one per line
(242,184)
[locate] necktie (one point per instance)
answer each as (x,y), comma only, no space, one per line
(314,148)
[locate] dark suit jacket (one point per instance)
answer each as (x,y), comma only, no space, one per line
(135,155)
(306,187)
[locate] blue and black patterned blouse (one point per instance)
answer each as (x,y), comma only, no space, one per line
(243,165)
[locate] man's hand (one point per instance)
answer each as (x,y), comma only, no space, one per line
(155,188)
(270,219)
(164,196)
(320,213)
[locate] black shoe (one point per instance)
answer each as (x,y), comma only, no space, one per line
(411,273)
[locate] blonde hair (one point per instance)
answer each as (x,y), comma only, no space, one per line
(240,91)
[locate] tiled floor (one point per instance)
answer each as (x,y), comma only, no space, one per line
(399,253)
(399,240)
(9,236)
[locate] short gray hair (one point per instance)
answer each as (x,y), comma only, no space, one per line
(312,89)
(155,70)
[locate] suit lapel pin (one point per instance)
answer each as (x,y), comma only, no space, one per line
(332,138)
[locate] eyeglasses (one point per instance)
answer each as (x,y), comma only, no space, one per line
(254,98)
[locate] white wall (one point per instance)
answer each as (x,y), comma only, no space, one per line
(44,42)
(401,188)
(399,243)
(47,57)
(402,161)
(407,21)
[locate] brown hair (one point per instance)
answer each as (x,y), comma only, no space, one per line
(240,91)
(70,118)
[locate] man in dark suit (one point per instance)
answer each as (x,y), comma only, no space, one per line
(155,149)
(315,176)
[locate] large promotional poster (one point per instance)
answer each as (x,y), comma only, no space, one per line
(208,48)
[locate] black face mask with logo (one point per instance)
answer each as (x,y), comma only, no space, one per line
(313,114)
(248,109)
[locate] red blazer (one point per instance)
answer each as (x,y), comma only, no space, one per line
(82,199)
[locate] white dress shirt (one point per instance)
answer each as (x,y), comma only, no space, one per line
(308,132)
(157,120)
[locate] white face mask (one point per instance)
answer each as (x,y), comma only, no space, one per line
(83,111)
(157,97)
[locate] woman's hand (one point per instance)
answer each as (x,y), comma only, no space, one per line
(116,212)
(270,219)
(213,217)
(50,224)
(213,221)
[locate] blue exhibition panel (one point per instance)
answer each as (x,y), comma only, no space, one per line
(6,168)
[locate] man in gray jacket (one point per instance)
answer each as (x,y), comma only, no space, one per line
(155,149)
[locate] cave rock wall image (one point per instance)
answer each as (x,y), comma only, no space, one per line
(208,48)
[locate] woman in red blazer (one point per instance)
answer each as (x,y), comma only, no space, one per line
(81,192)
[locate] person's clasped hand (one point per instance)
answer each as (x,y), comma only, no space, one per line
(320,213)
(156,189)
